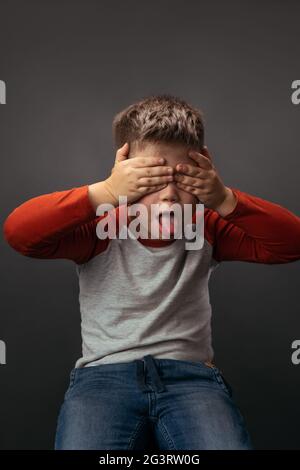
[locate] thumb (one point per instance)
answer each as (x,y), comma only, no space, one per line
(122,153)
(206,153)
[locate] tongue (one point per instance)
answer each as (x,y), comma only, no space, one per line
(167,227)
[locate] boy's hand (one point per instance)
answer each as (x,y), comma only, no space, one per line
(135,177)
(204,182)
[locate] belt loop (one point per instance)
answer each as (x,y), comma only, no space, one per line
(149,360)
(140,375)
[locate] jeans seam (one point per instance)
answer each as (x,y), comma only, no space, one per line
(140,425)
(73,377)
(220,380)
(164,432)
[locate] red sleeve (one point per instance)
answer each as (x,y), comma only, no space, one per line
(61,224)
(257,231)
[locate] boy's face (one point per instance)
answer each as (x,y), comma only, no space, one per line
(170,194)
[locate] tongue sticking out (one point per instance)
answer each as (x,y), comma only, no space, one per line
(167,223)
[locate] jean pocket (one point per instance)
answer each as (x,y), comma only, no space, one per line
(224,385)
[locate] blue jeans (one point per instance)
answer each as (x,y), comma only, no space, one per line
(150,404)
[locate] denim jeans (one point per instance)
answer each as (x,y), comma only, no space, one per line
(150,404)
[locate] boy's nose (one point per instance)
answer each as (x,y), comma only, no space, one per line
(170,192)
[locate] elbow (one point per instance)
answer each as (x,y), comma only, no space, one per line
(14,236)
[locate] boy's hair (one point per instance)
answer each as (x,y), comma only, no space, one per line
(159,118)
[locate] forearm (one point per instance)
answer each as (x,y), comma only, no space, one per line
(256,230)
(42,221)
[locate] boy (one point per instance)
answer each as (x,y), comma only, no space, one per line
(147,368)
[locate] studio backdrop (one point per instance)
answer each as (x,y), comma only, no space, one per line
(66,68)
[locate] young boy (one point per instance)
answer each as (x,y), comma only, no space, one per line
(147,370)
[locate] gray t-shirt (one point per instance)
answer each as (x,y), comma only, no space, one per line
(137,300)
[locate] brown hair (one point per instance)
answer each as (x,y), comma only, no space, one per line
(164,118)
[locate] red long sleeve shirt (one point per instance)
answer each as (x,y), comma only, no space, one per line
(62,224)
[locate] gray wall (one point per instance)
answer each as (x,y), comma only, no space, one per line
(69,66)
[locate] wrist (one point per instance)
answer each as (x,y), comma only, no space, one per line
(101,193)
(228,204)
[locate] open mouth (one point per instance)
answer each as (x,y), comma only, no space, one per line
(167,223)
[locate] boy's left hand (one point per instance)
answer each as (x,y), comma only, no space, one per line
(203,181)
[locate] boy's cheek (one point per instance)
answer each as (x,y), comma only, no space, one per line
(190,199)
(142,200)
(146,201)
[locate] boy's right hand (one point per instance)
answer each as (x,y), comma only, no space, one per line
(136,177)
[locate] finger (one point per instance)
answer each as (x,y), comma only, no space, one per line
(191,170)
(206,153)
(154,171)
(189,189)
(140,162)
(152,189)
(203,161)
(155,180)
(187,180)
(122,153)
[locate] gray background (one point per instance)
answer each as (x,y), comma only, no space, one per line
(69,67)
